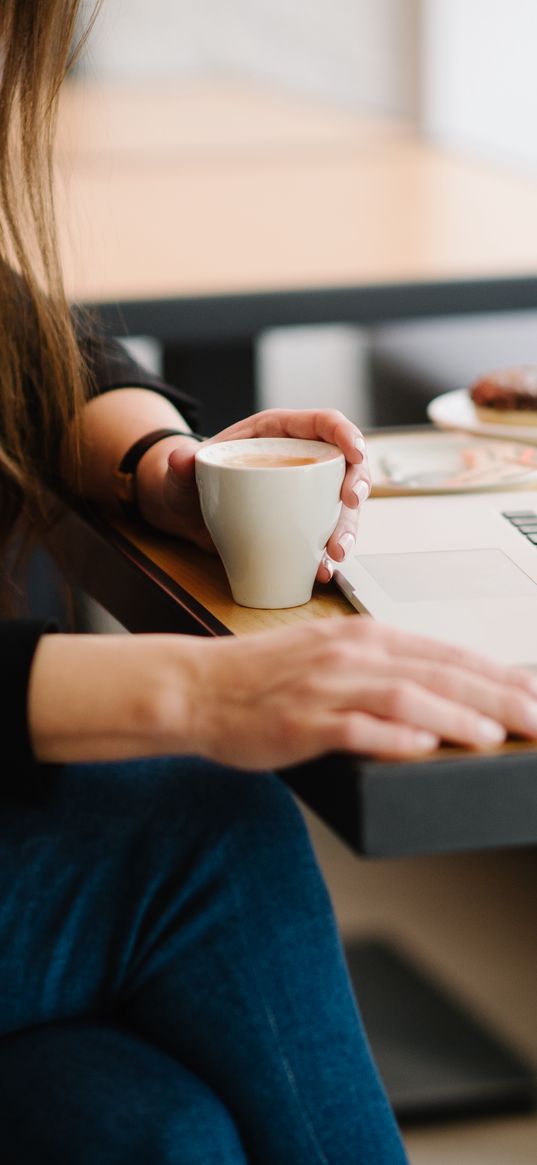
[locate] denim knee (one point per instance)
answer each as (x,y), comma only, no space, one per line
(194,799)
(250,815)
(86,1094)
(169,788)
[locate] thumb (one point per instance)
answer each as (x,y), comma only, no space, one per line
(181,495)
(181,461)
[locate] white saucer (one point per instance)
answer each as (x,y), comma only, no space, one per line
(455,410)
(431,461)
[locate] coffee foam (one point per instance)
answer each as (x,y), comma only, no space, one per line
(267,453)
(269,461)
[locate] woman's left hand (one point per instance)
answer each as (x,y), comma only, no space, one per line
(174,507)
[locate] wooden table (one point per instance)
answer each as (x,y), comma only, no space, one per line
(204,214)
(203,191)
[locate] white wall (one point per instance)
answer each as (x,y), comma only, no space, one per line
(359,52)
(479,76)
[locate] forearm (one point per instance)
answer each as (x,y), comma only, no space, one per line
(111,423)
(110,697)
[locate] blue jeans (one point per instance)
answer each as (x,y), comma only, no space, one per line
(172,984)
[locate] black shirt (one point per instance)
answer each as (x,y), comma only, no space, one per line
(21,775)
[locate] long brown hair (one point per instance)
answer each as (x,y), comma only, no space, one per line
(42,378)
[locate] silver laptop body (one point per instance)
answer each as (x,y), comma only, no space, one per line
(462,568)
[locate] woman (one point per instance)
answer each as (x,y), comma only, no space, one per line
(172,987)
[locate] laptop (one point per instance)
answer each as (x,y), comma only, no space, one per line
(457,567)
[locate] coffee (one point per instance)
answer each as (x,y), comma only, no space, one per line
(267,461)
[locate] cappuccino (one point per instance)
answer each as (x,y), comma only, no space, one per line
(268,461)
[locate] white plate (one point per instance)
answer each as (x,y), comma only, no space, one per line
(424,462)
(455,410)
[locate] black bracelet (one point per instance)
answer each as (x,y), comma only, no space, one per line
(125,475)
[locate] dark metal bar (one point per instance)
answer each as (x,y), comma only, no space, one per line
(242,316)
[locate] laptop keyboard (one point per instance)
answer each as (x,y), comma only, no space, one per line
(525,521)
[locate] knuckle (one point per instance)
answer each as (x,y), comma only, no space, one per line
(268,422)
(398,698)
(290,721)
(512,707)
(441,678)
(339,424)
(347,735)
(456,657)
(337,656)
(364,629)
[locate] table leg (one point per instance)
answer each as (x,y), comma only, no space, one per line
(437,1059)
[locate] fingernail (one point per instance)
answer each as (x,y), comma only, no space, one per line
(328,565)
(489,732)
(346,543)
(359,444)
(361,489)
(426,741)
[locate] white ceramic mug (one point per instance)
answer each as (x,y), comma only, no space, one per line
(270,505)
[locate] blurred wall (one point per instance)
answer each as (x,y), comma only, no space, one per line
(358,52)
(478,76)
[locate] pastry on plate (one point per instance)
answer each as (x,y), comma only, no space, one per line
(507,396)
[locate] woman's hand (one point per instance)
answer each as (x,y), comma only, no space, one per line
(270,700)
(168,496)
(349,684)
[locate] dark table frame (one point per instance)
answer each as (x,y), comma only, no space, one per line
(241,317)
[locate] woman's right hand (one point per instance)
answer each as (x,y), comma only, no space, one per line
(271,699)
(277,698)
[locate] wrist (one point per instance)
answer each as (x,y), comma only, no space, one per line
(128,696)
(126,481)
